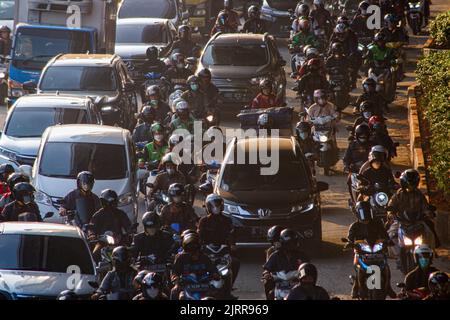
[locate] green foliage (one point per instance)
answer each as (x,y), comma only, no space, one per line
(440,30)
(434,76)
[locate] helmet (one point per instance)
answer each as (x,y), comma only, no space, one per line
(177,58)
(302,10)
(175,139)
(362,131)
(311,53)
(380,36)
(409,179)
(253,11)
(423,256)
(265,121)
(265,84)
(148,114)
(67,295)
(303,24)
(314,64)
(320,97)
(222,18)
(137,281)
(378,153)
(307,273)
(85,181)
(228,4)
(5,28)
(375,121)
(438,283)
(156,127)
(152,53)
(390,19)
(185,30)
(188,231)
(340,28)
(171,157)
(153,90)
(5,171)
(204,73)
(336,48)
(151,285)
(16,178)
(273,234)
(363,211)
(214,204)
(151,220)
(344,20)
(362,7)
(176,192)
(288,239)
(191,242)
(369,83)
(120,255)
(182,106)
(109,198)
(318,3)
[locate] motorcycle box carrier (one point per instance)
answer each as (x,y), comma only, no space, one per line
(281,118)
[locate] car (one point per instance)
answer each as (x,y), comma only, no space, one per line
(255,202)
(31,115)
(164,9)
(238,62)
(277,15)
(33,266)
(7,14)
(104,77)
(135,35)
(108,152)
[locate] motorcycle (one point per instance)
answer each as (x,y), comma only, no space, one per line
(298,56)
(221,258)
(158,201)
(156,78)
(102,252)
(325,136)
(415,15)
(284,282)
(198,287)
(151,264)
(378,196)
(416,294)
(366,256)
(384,78)
(340,88)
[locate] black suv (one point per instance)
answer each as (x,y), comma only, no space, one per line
(238,62)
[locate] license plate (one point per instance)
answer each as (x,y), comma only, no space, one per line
(135,74)
(197,22)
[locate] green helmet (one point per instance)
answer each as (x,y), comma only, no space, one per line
(171,157)
(156,127)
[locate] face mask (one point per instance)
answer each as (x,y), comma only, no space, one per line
(180,65)
(303,135)
(150,231)
(424,263)
(177,199)
(27,199)
(367,115)
(152,292)
(154,102)
(194,87)
(159,137)
(362,140)
(170,171)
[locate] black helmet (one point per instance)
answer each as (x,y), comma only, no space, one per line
(148,114)
(362,131)
(137,281)
(151,220)
(289,238)
(5,171)
(307,273)
(265,121)
(121,255)
(409,179)
(184,29)
(438,283)
(363,211)
(188,231)
(152,53)
(67,295)
(151,285)
(273,234)
(153,90)
(109,198)
(265,84)
(85,181)
(191,243)
(175,139)
(214,204)
(302,10)
(204,73)
(16,178)
(336,48)
(176,192)
(24,192)
(369,83)
(253,11)
(390,19)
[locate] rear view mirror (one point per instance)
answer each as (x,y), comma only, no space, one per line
(30,86)
(48,215)
(322,186)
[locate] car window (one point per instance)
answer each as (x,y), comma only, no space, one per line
(6,10)
(43,253)
(236,55)
(165,9)
(144,33)
(20,126)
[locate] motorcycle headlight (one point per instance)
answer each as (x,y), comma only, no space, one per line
(377,247)
(110,240)
(210,118)
(2,75)
(165,198)
(323,138)
(418,241)
(407,241)
(232,209)
(256,80)
(365,247)
(125,199)
(42,198)
(382,199)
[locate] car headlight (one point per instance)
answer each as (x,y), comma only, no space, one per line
(125,199)
(365,247)
(42,198)
(407,241)
(377,247)
(323,138)
(200,12)
(382,199)
(302,208)
(418,241)
(109,109)
(232,209)
(256,80)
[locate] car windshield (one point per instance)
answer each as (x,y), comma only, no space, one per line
(44,253)
(6,10)
(144,33)
(78,78)
(32,122)
(236,55)
(164,9)
(291,175)
(66,160)
(34,48)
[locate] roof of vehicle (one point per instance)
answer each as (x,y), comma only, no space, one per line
(282,143)
(74,59)
(242,38)
(51,101)
(134,21)
(86,133)
(39,228)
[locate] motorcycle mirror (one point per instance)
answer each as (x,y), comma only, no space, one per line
(48,215)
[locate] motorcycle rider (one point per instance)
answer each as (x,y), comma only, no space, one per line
(191,260)
(177,74)
(306,289)
(119,281)
(313,80)
(359,21)
(339,61)
(378,53)
(153,241)
(208,88)
(302,38)
(155,101)
(288,258)
(310,53)
(254,23)
(177,211)
(152,288)
(396,37)
(13,179)
(155,150)
(379,135)
(321,17)
(309,147)
(233,21)
(5,40)
(366,112)
(266,98)
(23,203)
(110,218)
(195,98)
(184,44)
(152,63)
(142,132)
(183,118)
(273,236)
(5,171)
(380,104)
(370,229)
(169,163)
(85,184)
(438,284)
(301,13)
(418,277)
(322,107)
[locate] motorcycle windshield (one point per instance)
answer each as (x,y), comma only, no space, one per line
(85,209)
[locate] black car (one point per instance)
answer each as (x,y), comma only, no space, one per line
(256,200)
(238,62)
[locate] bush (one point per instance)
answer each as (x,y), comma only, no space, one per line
(433,73)
(440,30)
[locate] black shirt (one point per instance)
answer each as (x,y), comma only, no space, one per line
(111,219)
(215,229)
(280,261)
(161,245)
(12,211)
(417,278)
(92,202)
(184,265)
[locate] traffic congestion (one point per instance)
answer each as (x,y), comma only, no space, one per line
(209,150)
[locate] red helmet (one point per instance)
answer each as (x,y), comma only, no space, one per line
(374,120)
(303,24)
(314,64)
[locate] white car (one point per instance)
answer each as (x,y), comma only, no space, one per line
(33,266)
(66,150)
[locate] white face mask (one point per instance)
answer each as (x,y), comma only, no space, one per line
(170,171)
(159,137)
(152,292)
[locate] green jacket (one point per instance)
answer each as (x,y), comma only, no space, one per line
(375,53)
(154,154)
(178,124)
(304,39)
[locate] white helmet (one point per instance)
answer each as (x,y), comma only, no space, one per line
(181,106)
(424,251)
(318,2)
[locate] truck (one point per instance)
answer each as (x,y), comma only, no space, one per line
(45,28)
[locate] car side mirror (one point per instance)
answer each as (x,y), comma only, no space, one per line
(322,186)
(30,86)
(48,215)
(26,170)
